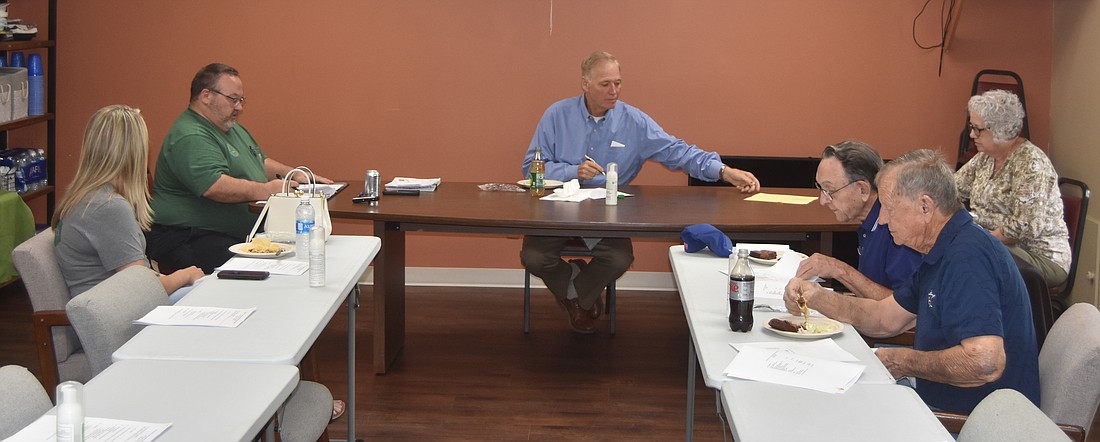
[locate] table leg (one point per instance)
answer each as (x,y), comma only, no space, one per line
(389,295)
(691,391)
(353,303)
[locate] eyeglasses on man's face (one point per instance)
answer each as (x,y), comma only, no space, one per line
(235,101)
(976,130)
(831,193)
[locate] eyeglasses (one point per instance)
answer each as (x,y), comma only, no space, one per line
(831,193)
(233,100)
(977,130)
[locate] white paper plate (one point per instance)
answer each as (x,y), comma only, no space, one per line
(778,256)
(240,250)
(549,184)
(827,327)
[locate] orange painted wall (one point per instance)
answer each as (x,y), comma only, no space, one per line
(454,88)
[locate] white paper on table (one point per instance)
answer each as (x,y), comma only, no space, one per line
(96,429)
(198,316)
(599,194)
(772,281)
(327,189)
(273,266)
(822,348)
(787,368)
(424,184)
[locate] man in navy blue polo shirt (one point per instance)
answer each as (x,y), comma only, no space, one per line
(973,317)
(846,179)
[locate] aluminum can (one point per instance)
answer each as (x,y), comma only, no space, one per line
(372,186)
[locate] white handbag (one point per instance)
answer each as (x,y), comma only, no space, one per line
(279,210)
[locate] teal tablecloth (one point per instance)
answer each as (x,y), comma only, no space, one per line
(16,226)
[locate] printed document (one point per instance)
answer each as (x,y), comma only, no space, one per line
(785,367)
(95,430)
(199,316)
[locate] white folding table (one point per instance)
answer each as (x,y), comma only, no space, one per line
(702,285)
(289,316)
(759,411)
(202,400)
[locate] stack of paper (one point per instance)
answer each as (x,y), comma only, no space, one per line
(421,184)
(198,316)
(571,191)
(328,189)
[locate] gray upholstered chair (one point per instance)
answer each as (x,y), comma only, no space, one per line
(104,319)
(1069,373)
(1069,367)
(24,399)
(104,315)
(1007,415)
(60,357)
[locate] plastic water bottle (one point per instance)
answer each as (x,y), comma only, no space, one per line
(36,99)
(317,256)
(304,218)
(70,412)
(45,178)
(612,196)
(20,173)
(741,292)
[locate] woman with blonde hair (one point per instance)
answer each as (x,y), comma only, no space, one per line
(98,225)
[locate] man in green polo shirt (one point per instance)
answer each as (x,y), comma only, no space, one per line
(208,170)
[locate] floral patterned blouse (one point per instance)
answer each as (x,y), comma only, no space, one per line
(1022,199)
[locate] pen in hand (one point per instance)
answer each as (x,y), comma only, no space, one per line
(594,161)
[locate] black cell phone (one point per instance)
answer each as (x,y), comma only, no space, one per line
(406,192)
(363,198)
(251,275)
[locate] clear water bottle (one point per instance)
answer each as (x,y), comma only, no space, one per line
(20,173)
(45,178)
(741,292)
(304,219)
(70,412)
(317,256)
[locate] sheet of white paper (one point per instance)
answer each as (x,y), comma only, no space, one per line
(787,368)
(328,189)
(96,429)
(569,191)
(599,194)
(424,184)
(822,348)
(198,316)
(273,266)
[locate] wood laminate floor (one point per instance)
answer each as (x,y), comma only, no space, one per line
(469,373)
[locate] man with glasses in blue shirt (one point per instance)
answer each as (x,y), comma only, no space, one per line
(208,170)
(578,137)
(846,179)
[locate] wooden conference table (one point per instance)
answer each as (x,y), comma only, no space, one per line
(653,211)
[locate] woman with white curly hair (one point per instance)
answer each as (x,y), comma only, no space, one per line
(1012,187)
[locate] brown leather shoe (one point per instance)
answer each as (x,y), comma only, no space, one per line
(579,319)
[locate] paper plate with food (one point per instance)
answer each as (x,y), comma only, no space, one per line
(770,257)
(797,327)
(261,248)
(548,184)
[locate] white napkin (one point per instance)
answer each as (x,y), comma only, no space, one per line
(570,191)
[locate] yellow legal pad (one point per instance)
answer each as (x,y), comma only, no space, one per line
(779,198)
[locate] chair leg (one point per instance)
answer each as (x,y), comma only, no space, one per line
(610,307)
(526,301)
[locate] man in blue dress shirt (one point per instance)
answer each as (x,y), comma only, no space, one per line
(598,126)
(970,306)
(846,179)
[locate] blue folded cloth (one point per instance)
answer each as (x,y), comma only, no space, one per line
(699,236)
